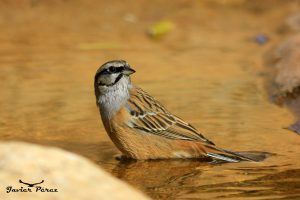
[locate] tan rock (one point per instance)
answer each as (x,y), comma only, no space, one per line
(283,76)
(284,65)
(291,24)
(73,176)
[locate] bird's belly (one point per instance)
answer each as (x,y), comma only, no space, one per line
(142,145)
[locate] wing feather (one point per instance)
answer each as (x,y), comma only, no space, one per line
(150,116)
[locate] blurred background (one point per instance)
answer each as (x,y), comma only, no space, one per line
(202,59)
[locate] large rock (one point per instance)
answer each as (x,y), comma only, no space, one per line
(283,76)
(284,62)
(73,176)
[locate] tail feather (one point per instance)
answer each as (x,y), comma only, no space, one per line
(253,156)
(222,157)
(229,156)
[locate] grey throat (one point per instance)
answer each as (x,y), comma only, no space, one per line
(111,98)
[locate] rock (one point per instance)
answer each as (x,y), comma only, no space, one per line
(284,66)
(283,76)
(291,24)
(295,127)
(59,174)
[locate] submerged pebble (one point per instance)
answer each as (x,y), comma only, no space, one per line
(261,39)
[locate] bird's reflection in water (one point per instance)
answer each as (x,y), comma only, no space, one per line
(161,175)
(170,179)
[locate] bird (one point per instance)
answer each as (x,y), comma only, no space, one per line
(143,129)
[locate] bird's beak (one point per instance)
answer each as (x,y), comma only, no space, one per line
(128,71)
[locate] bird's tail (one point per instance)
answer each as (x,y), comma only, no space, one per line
(229,156)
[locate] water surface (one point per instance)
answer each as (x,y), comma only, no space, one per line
(207,71)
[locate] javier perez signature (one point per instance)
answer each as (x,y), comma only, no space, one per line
(31,187)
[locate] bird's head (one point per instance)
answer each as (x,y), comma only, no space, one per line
(111,75)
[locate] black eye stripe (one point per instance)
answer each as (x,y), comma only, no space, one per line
(113,69)
(108,71)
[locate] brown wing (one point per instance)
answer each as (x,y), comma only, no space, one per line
(150,116)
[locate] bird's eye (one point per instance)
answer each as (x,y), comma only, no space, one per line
(113,69)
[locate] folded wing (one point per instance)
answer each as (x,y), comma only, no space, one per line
(150,116)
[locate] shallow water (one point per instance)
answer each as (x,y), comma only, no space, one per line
(207,71)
